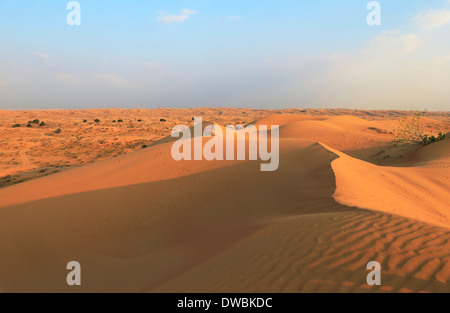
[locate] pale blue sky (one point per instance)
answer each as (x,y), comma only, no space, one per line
(234,53)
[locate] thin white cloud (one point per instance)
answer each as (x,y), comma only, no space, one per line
(433,18)
(393,71)
(42,55)
(173,18)
(397,43)
(185,14)
(188,12)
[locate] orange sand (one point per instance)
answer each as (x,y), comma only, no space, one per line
(343,196)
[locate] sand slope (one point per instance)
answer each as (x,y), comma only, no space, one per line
(414,192)
(143,222)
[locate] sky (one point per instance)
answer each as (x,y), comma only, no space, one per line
(225,53)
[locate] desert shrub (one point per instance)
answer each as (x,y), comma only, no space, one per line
(97,120)
(432,139)
(114,121)
(58,131)
(411,130)
(441,136)
(42,124)
(120,121)
(16,125)
(139,120)
(84,121)
(163,120)
(29,125)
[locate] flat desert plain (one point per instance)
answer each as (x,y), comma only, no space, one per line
(105,191)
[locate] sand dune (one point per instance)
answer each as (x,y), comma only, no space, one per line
(328,253)
(143,222)
(436,155)
(419,193)
(283,119)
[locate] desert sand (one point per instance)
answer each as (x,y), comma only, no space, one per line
(138,221)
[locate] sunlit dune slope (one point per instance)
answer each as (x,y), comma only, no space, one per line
(415,192)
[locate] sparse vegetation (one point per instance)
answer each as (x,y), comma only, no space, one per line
(29,124)
(411,130)
(97,120)
(42,124)
(432,139)
(58,131)
(120,121)
(84,121)
(163,120)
